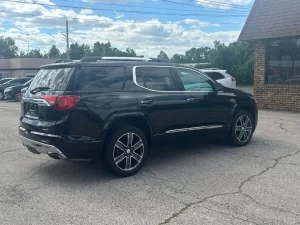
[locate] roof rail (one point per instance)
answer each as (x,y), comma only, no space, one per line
(98,58)
(91,59)
(211,69)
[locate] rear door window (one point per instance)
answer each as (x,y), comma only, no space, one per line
(215,75)
(57,79)
(101,78)
(155,78)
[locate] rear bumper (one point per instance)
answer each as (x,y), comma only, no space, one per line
(59,146)
(39,147)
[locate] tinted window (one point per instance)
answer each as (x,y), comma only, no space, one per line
(194,81)
(215,75)
(155,78)
(4,81)
(99,78)
(18,81)
(56,79)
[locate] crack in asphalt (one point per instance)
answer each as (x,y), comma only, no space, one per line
(240,191)
(229,215)
(12,150)
(281,126)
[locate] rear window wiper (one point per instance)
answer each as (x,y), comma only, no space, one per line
(38,89)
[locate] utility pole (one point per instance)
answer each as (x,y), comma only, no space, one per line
(103,48)
(67,37)
(28,44)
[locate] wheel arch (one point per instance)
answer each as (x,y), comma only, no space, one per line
(135,120)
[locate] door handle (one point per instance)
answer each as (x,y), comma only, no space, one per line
(191,100)
(146,102)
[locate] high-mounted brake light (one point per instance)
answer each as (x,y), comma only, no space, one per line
(61,102)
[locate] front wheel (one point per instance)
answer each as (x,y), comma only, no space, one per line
(242,129)
(126,151)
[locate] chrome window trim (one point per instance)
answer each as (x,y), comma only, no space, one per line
(135,82)
(194,128)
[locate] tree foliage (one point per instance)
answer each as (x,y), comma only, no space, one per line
(163,55)
(8,48)
(237,57)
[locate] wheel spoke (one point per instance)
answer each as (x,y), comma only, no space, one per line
(136,157)
(120,158)
(120,145)
(128,163)
(238,128)
(245,136)
(129,139)
(247,121)
(248,129)
(137,145)
(241,135)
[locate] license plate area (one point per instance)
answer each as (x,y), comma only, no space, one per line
(32,110)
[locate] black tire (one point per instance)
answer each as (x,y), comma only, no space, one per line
(1,96)
(18,97)
(240,134)
(111,152)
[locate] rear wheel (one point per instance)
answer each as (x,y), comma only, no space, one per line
(18,97)
(242,129)
(126,151)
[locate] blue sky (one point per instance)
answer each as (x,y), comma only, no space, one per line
(145,25)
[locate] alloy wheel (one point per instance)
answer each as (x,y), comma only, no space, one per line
(128,151)
(243,128)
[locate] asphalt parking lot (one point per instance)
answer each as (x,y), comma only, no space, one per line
(198,183)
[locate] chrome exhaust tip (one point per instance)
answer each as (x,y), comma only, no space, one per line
(55,156)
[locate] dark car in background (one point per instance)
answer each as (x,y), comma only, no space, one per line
(11,83)
(114,109)
(14,92)
(4,80)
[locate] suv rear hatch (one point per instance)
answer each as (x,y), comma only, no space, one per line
(49,100)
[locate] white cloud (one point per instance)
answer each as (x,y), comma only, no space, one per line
(146,37)
(223,4)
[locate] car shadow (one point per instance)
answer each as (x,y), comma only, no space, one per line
(94,171)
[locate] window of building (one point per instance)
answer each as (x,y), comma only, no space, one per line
(4,74)
(155,78)
(283,61)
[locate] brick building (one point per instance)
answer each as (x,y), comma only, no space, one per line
(274,27)
(22,67)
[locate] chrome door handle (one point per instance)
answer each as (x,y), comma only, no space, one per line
(146,102)
(191,100)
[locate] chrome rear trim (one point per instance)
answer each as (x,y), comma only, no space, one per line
(41,102)
(39,133)
(195,128)
(41,147)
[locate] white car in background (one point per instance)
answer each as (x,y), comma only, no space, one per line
(220,76)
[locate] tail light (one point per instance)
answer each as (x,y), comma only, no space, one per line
(61,102)
(232,79)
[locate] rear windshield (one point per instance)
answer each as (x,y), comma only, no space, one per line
(4,81)
(56,79)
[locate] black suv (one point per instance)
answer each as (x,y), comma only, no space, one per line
(114,109)
(13,82)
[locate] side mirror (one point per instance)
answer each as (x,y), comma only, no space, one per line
(219,87)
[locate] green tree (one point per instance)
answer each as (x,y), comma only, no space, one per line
(162,55)
(8,48)
(54,53)
(77,51)
(34,53)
